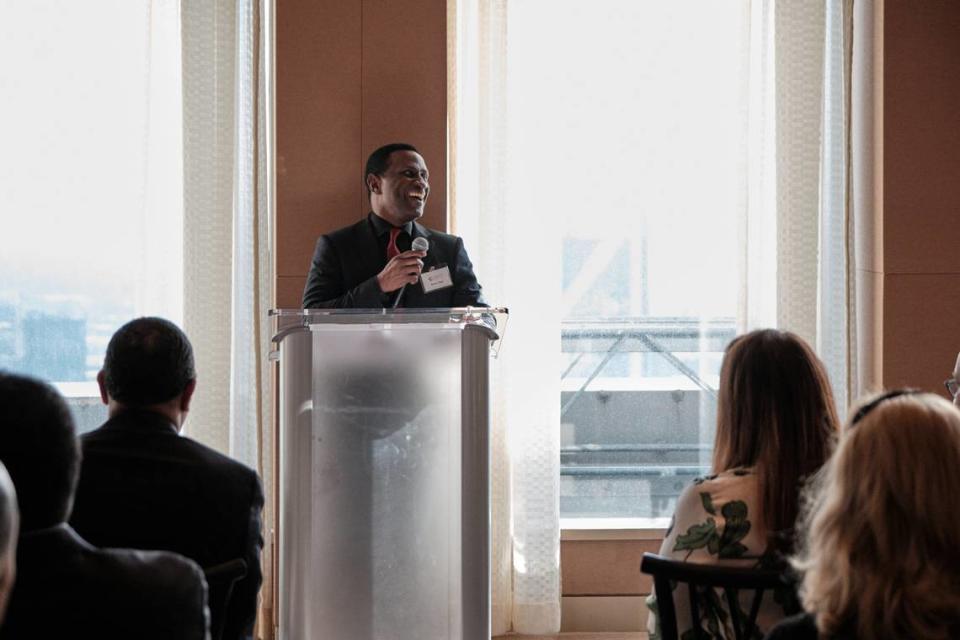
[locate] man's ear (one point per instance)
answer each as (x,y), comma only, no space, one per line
(373,183)
(187,395)
(102,383)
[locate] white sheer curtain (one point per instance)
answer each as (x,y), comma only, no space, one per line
(801,68)
(525,446)
(782,184)
(226,236)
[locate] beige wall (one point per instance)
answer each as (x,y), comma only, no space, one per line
(603,589)
(351,75)
(921,192)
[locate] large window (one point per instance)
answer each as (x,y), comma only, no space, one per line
(640,109)
(90,182)
(678,168)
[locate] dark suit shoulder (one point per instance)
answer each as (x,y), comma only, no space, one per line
(345,236)
(172,446)
(66,587)
(171,589)
(440,237)
(170,573)
(216,459)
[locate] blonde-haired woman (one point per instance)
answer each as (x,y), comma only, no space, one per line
(881,556)
(776,425)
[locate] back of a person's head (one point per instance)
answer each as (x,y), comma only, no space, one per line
(9,529)
(38,445)
(149,361)
(775,412)
(882,546)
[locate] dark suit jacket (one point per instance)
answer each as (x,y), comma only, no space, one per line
(144,486)
(347,261)
(66,588)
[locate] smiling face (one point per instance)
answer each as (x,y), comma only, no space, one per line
(400,194)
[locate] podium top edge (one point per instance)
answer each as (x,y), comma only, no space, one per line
(492,320)
(385,313)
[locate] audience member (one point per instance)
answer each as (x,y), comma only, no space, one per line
(776,425)
(9,529)
(880,555)
(143,485)
(65,587)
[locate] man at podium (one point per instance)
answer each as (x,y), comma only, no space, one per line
(388,259)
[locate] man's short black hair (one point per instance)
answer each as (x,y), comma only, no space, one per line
(38,445)
(148,361)
(379,160)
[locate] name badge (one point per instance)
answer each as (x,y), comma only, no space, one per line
(436,279)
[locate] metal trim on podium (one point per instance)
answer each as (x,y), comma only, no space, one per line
(384,516)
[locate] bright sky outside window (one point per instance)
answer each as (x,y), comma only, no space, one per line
(638,111)
(90,179)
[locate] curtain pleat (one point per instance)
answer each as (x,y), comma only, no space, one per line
(227,241)
(854,314)
(209,53)
(798,73)
(525,539)
(814,286)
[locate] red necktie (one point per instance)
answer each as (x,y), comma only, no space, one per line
(392,250)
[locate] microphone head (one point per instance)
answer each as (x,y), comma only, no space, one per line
(420,244)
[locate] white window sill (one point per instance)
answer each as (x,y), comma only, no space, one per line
(613,528)
(78,390)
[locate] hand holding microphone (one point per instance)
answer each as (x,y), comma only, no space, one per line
(403,269)
(419,246)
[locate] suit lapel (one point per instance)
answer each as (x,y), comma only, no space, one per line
(420,231)
(414,296)
(363,253)
(362,259)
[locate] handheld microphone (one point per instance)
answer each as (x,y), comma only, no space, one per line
(419,244)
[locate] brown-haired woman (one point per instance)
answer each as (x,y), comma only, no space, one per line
(881,550)
(776,425)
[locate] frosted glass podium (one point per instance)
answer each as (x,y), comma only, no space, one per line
(384,463)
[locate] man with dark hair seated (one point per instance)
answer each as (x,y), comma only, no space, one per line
(143,485)
(9,529)
(65,587)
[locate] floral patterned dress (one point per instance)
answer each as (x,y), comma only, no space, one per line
(711,525)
